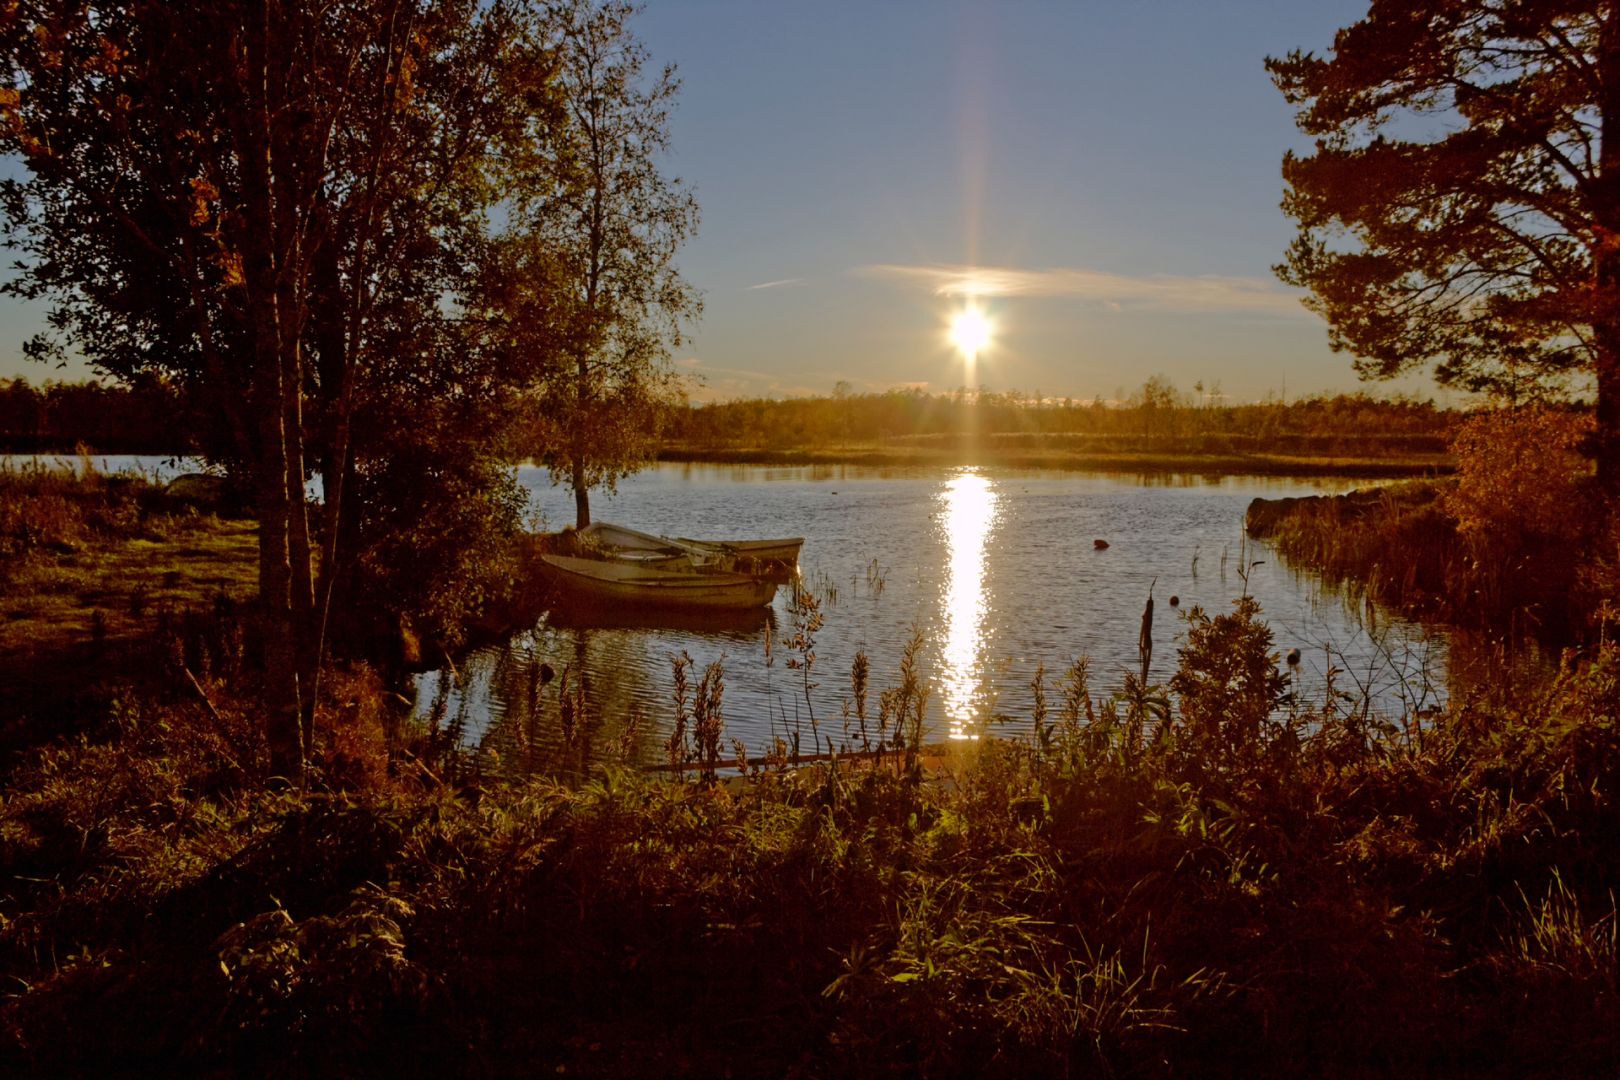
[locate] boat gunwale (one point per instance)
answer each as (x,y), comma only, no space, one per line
(614,583)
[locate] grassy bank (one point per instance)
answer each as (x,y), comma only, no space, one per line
(1520,542)
(1240,889)
(92,567)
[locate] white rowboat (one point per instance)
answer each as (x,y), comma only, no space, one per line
(636,546)
(625,583)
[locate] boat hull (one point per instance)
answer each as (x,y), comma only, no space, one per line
(682,553)
(784,551)
(622,584)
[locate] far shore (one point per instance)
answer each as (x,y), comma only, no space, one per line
(1228,464)
(1394,465)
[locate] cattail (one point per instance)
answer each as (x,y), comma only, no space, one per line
(859,672)
(1144,642)
(707,719)
(627,737)
(676,744)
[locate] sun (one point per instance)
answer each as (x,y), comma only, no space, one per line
(970,331)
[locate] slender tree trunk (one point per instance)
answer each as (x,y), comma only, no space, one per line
(582,494)
(299,547)
(283,731)
(261,271)
(1605,195)
(579,437)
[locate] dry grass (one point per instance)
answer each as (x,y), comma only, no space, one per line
(91,566)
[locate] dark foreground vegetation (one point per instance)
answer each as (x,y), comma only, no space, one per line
(1202,878)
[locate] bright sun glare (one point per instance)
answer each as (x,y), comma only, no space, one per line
(970,331)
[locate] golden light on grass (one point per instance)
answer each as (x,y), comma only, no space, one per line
(971,331)
(970,516)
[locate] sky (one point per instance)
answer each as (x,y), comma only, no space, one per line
(1116,164)
(1102,179)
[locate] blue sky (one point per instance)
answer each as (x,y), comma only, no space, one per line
(1116,166)
(1122,159)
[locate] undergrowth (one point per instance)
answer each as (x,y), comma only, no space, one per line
(1225,885)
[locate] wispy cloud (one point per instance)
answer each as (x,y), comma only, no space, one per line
(778,284)
(719,383)
(1157,292)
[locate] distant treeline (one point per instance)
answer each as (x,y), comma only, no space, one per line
(57,417)
(1156,413)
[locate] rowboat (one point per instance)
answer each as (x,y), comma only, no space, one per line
(671,552)
(616,582)
(784,551)
(658,552)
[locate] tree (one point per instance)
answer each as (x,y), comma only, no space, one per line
(599,238)
(267,199)
(1462,202)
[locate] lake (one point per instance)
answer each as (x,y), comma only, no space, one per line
(996,568)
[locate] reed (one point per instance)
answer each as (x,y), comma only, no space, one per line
(1402,547)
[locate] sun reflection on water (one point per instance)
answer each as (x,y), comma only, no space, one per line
(970,512)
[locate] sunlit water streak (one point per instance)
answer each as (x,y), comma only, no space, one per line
(968,522)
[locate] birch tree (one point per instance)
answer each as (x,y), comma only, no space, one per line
(598,242)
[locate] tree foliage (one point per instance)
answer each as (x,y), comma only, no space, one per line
(271,201)
(1460,205)
(1519,473)
(597,225)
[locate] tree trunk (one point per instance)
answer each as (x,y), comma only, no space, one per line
(582,494)
(283,731)
(298,545)
(1606,440)
(576,451)
(272,387)
(1605,196)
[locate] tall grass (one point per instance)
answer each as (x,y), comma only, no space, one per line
(1236,888)
(1519,541)
(1401,546)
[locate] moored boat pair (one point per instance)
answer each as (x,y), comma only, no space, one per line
(639,568)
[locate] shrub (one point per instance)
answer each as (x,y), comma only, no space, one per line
(1229,685)
(1519,475)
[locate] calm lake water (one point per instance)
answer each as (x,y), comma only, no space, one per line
(996,567)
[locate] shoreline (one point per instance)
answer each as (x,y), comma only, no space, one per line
(1127,462)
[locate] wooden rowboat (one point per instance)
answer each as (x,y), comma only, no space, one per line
(624,583)
(671,552)
(784,551)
